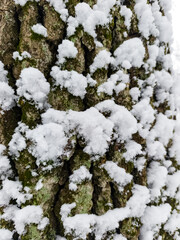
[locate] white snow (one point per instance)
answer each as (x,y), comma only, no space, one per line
(117,174)
(7,98)
(48,141)
(12,190)
(75,82)
(80,175)
(20,57)
(152,219)
(127,14)
(163,24)
(89,18)
(146,21)
(173,223)
(156,178)
(39,185)
(60,7)
(6,234)
(25,216)
(66,50)
(130,54)
(18,142)
(39,29)
(23,2)
(82,224)
(7,94)
(117,82)
(101,60)
(124,122)
(5,167)
(132,150)
(33,86)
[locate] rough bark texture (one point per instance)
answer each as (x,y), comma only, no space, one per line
(101,193)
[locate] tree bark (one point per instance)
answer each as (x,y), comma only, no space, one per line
(100,194)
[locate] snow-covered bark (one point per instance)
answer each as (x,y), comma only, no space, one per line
(87,123)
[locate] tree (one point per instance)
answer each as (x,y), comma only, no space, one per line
(87,122)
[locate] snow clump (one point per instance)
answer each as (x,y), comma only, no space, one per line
(39,29)
(33,86)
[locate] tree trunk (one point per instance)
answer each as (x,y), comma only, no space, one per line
(88,132)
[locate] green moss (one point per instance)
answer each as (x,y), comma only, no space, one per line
(118,157)
(129,229)
(63,100)
(30,114)
(36,37)
(34,234)
(71,6)
(80,158)
(83,198)
(53,23)
(104,35)
(88,41)
(102,197)
(100,75)
(25,164)
(124,98)
(8,122)
(5,224)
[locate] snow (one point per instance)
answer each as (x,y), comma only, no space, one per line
(175,150)
(156,181)
(146,21)
(3,73)
(153,218)
(5,167)
(91,125)
(117,82)
(101,60)
(60,7)
(74,82)
(6,234)
(7,97)
(144,112)
(94,128)
(132,150)
(125,125)
(66,210)
(12,190)
(89,18)
(139,200)
(162,130)
(130,54)
(48,141)
(117,174)
(80,175)
(127,14)
(153,51)
(163,24)
(39,29)
(39,185)
(18,143)
(135,93)
(23,2)
(173,223)
(33,86)
(25,216)
(82,224)
(173,184)
(66,50)
(22,56)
